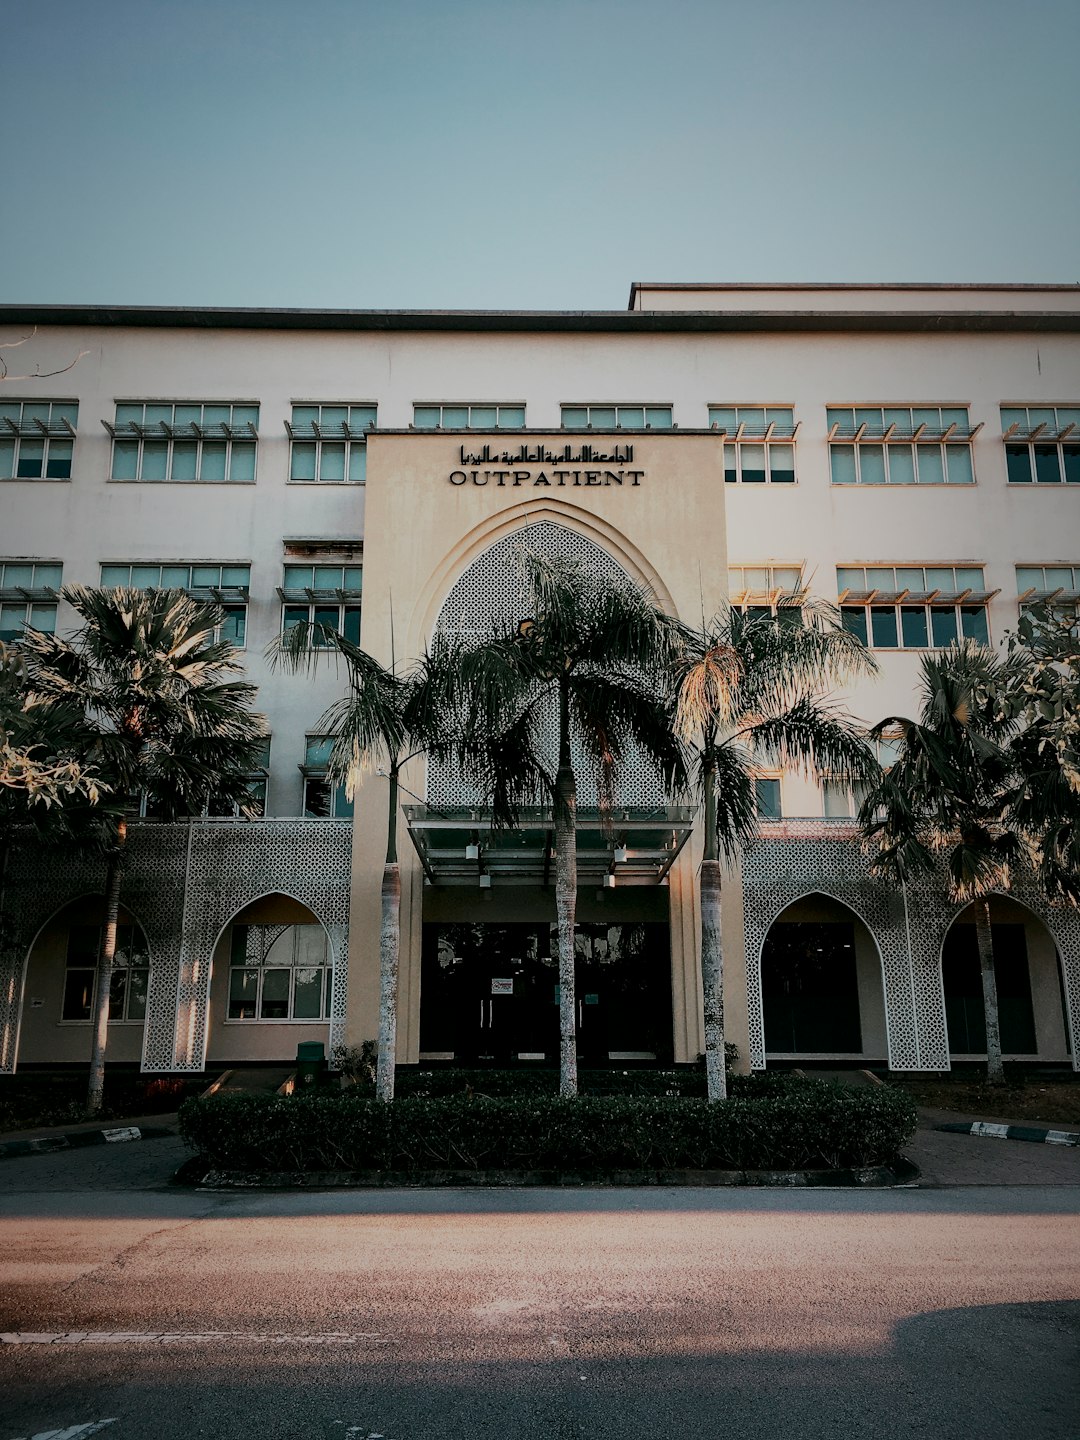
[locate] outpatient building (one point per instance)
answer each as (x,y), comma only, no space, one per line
(911,453)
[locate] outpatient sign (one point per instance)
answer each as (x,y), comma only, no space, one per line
(565,467)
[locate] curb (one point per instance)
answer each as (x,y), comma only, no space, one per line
(1013,1132)
(194,1172)
(76,1139)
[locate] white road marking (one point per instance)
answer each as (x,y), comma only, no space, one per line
(984,1127)
(126,1132)
(164,1337)
(73,1432)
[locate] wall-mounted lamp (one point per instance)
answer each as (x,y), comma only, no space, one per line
(472,851)
(485,881)
(609,881)
(620,854)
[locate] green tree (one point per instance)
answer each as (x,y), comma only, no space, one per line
(1042,695)
(582,672)
(749,695)
(387,719)
(951,797)
(164,717)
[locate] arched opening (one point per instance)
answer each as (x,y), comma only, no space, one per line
(61,986)
(271,982)
(1027,970)
(821,985)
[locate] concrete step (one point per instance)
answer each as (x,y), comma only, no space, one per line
(251,1080)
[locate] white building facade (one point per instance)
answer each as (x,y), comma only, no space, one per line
(912,453)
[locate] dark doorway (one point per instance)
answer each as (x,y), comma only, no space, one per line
(810,989)
(962,982)
(489,992)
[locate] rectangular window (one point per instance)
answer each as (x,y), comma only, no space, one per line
(842,800)
(328,443)
(1042,444)
(227,584)
(327,595)
(185,441)
(257,780)
(462,416)
(130,978)
(900,445)
(767,798)
(760,444)
(913,607)
(1057,587)
(617,417)
(766,588)
(321,800)
(37,438)
(279,974)
(28,597)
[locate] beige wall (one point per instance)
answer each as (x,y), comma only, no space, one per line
(667,531)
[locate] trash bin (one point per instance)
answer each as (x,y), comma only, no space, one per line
(310,1064)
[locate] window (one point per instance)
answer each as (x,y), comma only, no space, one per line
(279,973)
(1055,586)
(28,596)
(617,417)
(761,443)
(323,595)
(37,438)
(321,800)
(130,977)
(469,417)
(227,584)
(185,442)
(765,588)
(329,443)
(256,783)
(767,797)
(909,445)
(1042,444)
(913,607)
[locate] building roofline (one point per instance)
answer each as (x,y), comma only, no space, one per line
(839,287)
(571,321)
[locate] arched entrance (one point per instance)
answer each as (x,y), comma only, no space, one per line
(271,984)
(1028,975)
(61,983)
(821,985)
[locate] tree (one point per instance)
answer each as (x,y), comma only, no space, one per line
(154,693)
(952,794)
(748,695)
(42,764)
(581,673)
(385,718)
(1042,695)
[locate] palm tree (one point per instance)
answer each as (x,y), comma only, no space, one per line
(386,718)
(581,673)
(748,695)
(163,717)
(951,794)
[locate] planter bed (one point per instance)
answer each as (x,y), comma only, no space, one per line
(810,1125)
(901,1172)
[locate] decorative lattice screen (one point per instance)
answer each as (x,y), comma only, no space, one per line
(493,592)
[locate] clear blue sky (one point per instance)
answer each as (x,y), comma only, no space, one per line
(504,154)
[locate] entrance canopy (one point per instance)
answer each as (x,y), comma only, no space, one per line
(626,846)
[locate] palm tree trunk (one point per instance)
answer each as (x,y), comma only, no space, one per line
(389,950)
(566,901)
(984,936)
(106,959)
(712,948)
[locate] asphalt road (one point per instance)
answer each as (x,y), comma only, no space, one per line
(532,1314)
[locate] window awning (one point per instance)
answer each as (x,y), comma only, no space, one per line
(634,845)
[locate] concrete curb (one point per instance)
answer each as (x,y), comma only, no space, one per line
(1013,1132)
(76,1139)
(901,1173)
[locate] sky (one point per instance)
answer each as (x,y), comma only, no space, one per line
(529,154)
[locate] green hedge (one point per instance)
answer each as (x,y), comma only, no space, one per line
(688,1082)
(812,1126)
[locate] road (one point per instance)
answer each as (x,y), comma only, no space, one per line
(536,1314)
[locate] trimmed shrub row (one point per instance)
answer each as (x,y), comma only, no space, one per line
(812,1126)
